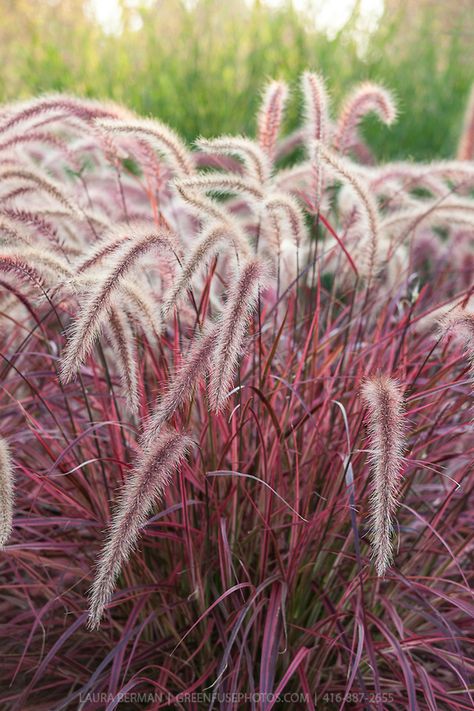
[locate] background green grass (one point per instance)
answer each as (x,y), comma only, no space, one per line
(200,67)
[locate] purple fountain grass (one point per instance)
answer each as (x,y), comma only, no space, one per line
(52,266)
(286,234)
(221,184)
(123,342)
(42,182)
(21,268)
(281,204)
(316,128)
(459,322)
(6,492)
(114,238)
(56,107)
(160,136)
(368,254)
(142,308)
(181,388)
(87,326)
(366,98)
(316,106)
(143,488)
(205,207)
(207,246)
(43,138)
(252,576)
(404,223)
(384,399)
(12,232)
(270,116)
(256,162)
(242,297)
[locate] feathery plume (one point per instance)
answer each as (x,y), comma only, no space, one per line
(113,239)
(143,488)
(88,325)
(366,98)
(232,326)
(466,142)
(316,128)
(123,342)
(205,207)
(45,262)
(193,368)
(160,136)
(59,106)
(316,109)
(408,177)
(14,264)
(31,219)
(6,492)
(384,400)
(256,162)
(42,137)
(367,204)
(454,171)
(454,211)
(142,307)
(283,204)
(206,247)
(12,233)
(221,184)
(460,322)
(42,183)
(270,116)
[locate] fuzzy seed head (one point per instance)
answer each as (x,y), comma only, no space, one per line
(384,400)
(460,322)
(316,106)
(270,116)
(232,327)
(6,492)
(366,98)
(142,490)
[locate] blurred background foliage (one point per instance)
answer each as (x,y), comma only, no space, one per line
(199,65)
